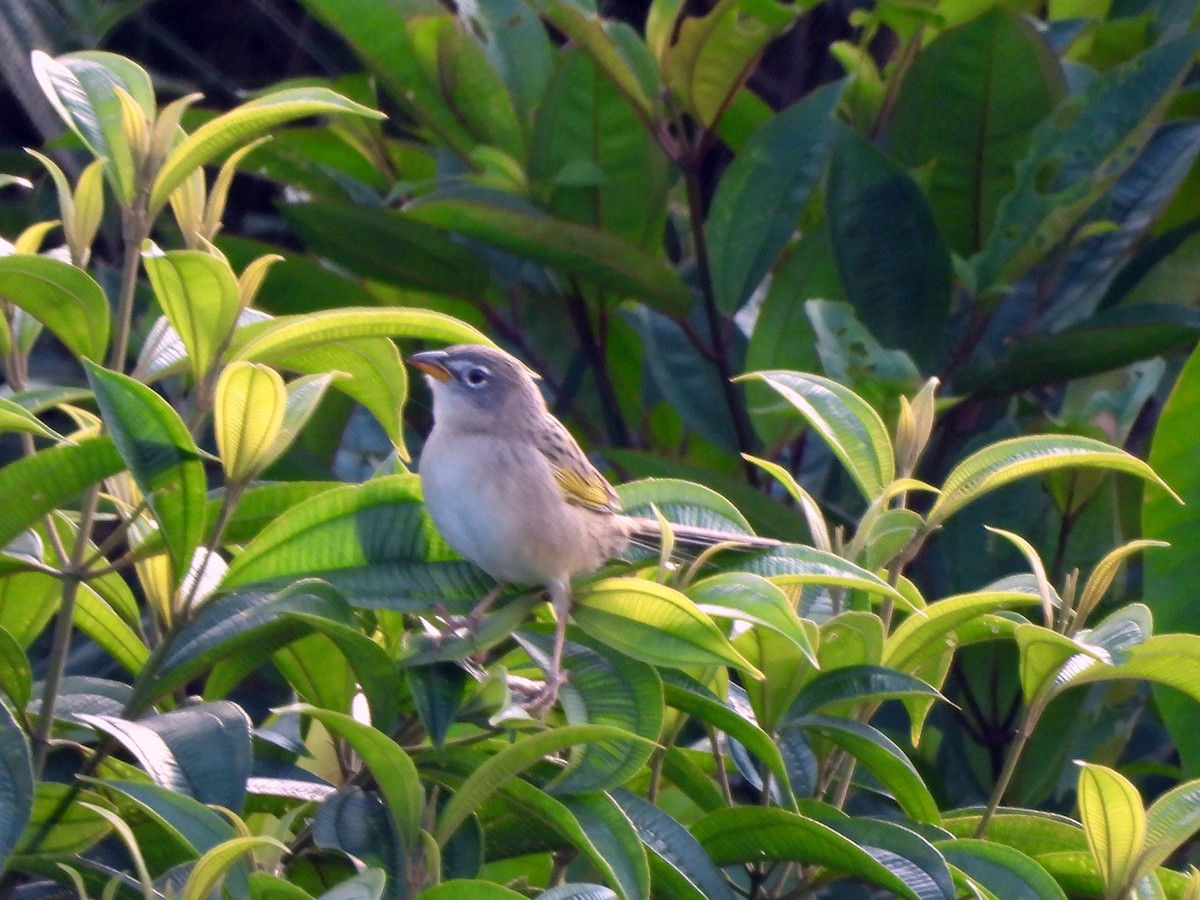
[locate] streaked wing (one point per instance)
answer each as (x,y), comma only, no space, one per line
(581,483)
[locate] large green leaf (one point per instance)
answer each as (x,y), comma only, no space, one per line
(681,867)
(1006,461)
(161,455)
(54,832)
(1004,871)
(82,89)
(713,54)
(846,422)
(592,159)
(1114,822)
(506,765)
(16,783)
(63,298)
(654,623)
(202,751)
(747,834)
(517,46)
(199,296)
(48,479)
(242,125)
(587,253)
(380,35)
(893,265)
(761,195)
(392,769)
(991,81)
(1075,156)
(596,38)
(880,755)
(615,840)
(605,688)
(1169,588)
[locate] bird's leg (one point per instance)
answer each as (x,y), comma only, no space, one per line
(560,602)
(471,620)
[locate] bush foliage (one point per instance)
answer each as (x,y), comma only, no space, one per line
(918,324)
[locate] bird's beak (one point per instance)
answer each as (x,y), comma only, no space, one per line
(432,363)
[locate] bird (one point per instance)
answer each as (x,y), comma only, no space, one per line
(510,489)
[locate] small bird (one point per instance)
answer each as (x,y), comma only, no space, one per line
(509,488)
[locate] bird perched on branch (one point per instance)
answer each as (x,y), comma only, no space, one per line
(510,490)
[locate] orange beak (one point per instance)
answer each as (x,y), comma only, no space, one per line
(432,363)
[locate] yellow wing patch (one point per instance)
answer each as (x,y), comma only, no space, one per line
(591,492)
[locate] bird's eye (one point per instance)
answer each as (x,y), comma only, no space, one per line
(476,376)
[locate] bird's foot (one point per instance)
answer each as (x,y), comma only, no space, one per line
(542,700)
(454,625)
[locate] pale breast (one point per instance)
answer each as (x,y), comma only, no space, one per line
(497,504)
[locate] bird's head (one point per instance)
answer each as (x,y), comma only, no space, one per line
(476,387)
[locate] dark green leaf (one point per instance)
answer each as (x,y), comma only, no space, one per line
(893,265)
(1002,870)
(63,298)
(1077,154)
(991,81)
(16,783)
(161,456)
(760,196)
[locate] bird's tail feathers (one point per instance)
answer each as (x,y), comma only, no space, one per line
(648,533)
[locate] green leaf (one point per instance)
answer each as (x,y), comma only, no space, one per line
(616,843)
(82,88)
(605,688)
(249,402)
(590,33)
(1170,821)
(910,856)
(1075,156)
(54,832)
(284,337)
(585,126)
(389,765)
(759,199)
(1006,461)
(517,46)
(1004,871)
(683,503)
(37,484)
(690,697)
(1169,585)
(202,751)
(655,624)
(880,755)
(184,818)
(14,417)
(1107,341)
(713,54)
(751,598)
(991,80)
(242,125)
(470,889)
(16,783)
(853,430)
(917,638)
(748,834)
(199,296)
(104,625)
(894,268)
(388,246)
(1114,822)
(16,677)
(63,298)
(580,251)
(509,763)
(380,35)
(210,870)
(161,456)
(857,684)
(681,867)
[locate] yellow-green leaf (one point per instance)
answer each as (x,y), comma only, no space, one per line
(249,406)
(1115,824)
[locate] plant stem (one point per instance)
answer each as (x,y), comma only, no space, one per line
(134,230)
(1032,713)
(614,422)
(60,645)
(720,348)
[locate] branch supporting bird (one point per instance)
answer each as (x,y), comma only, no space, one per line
(511,490)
